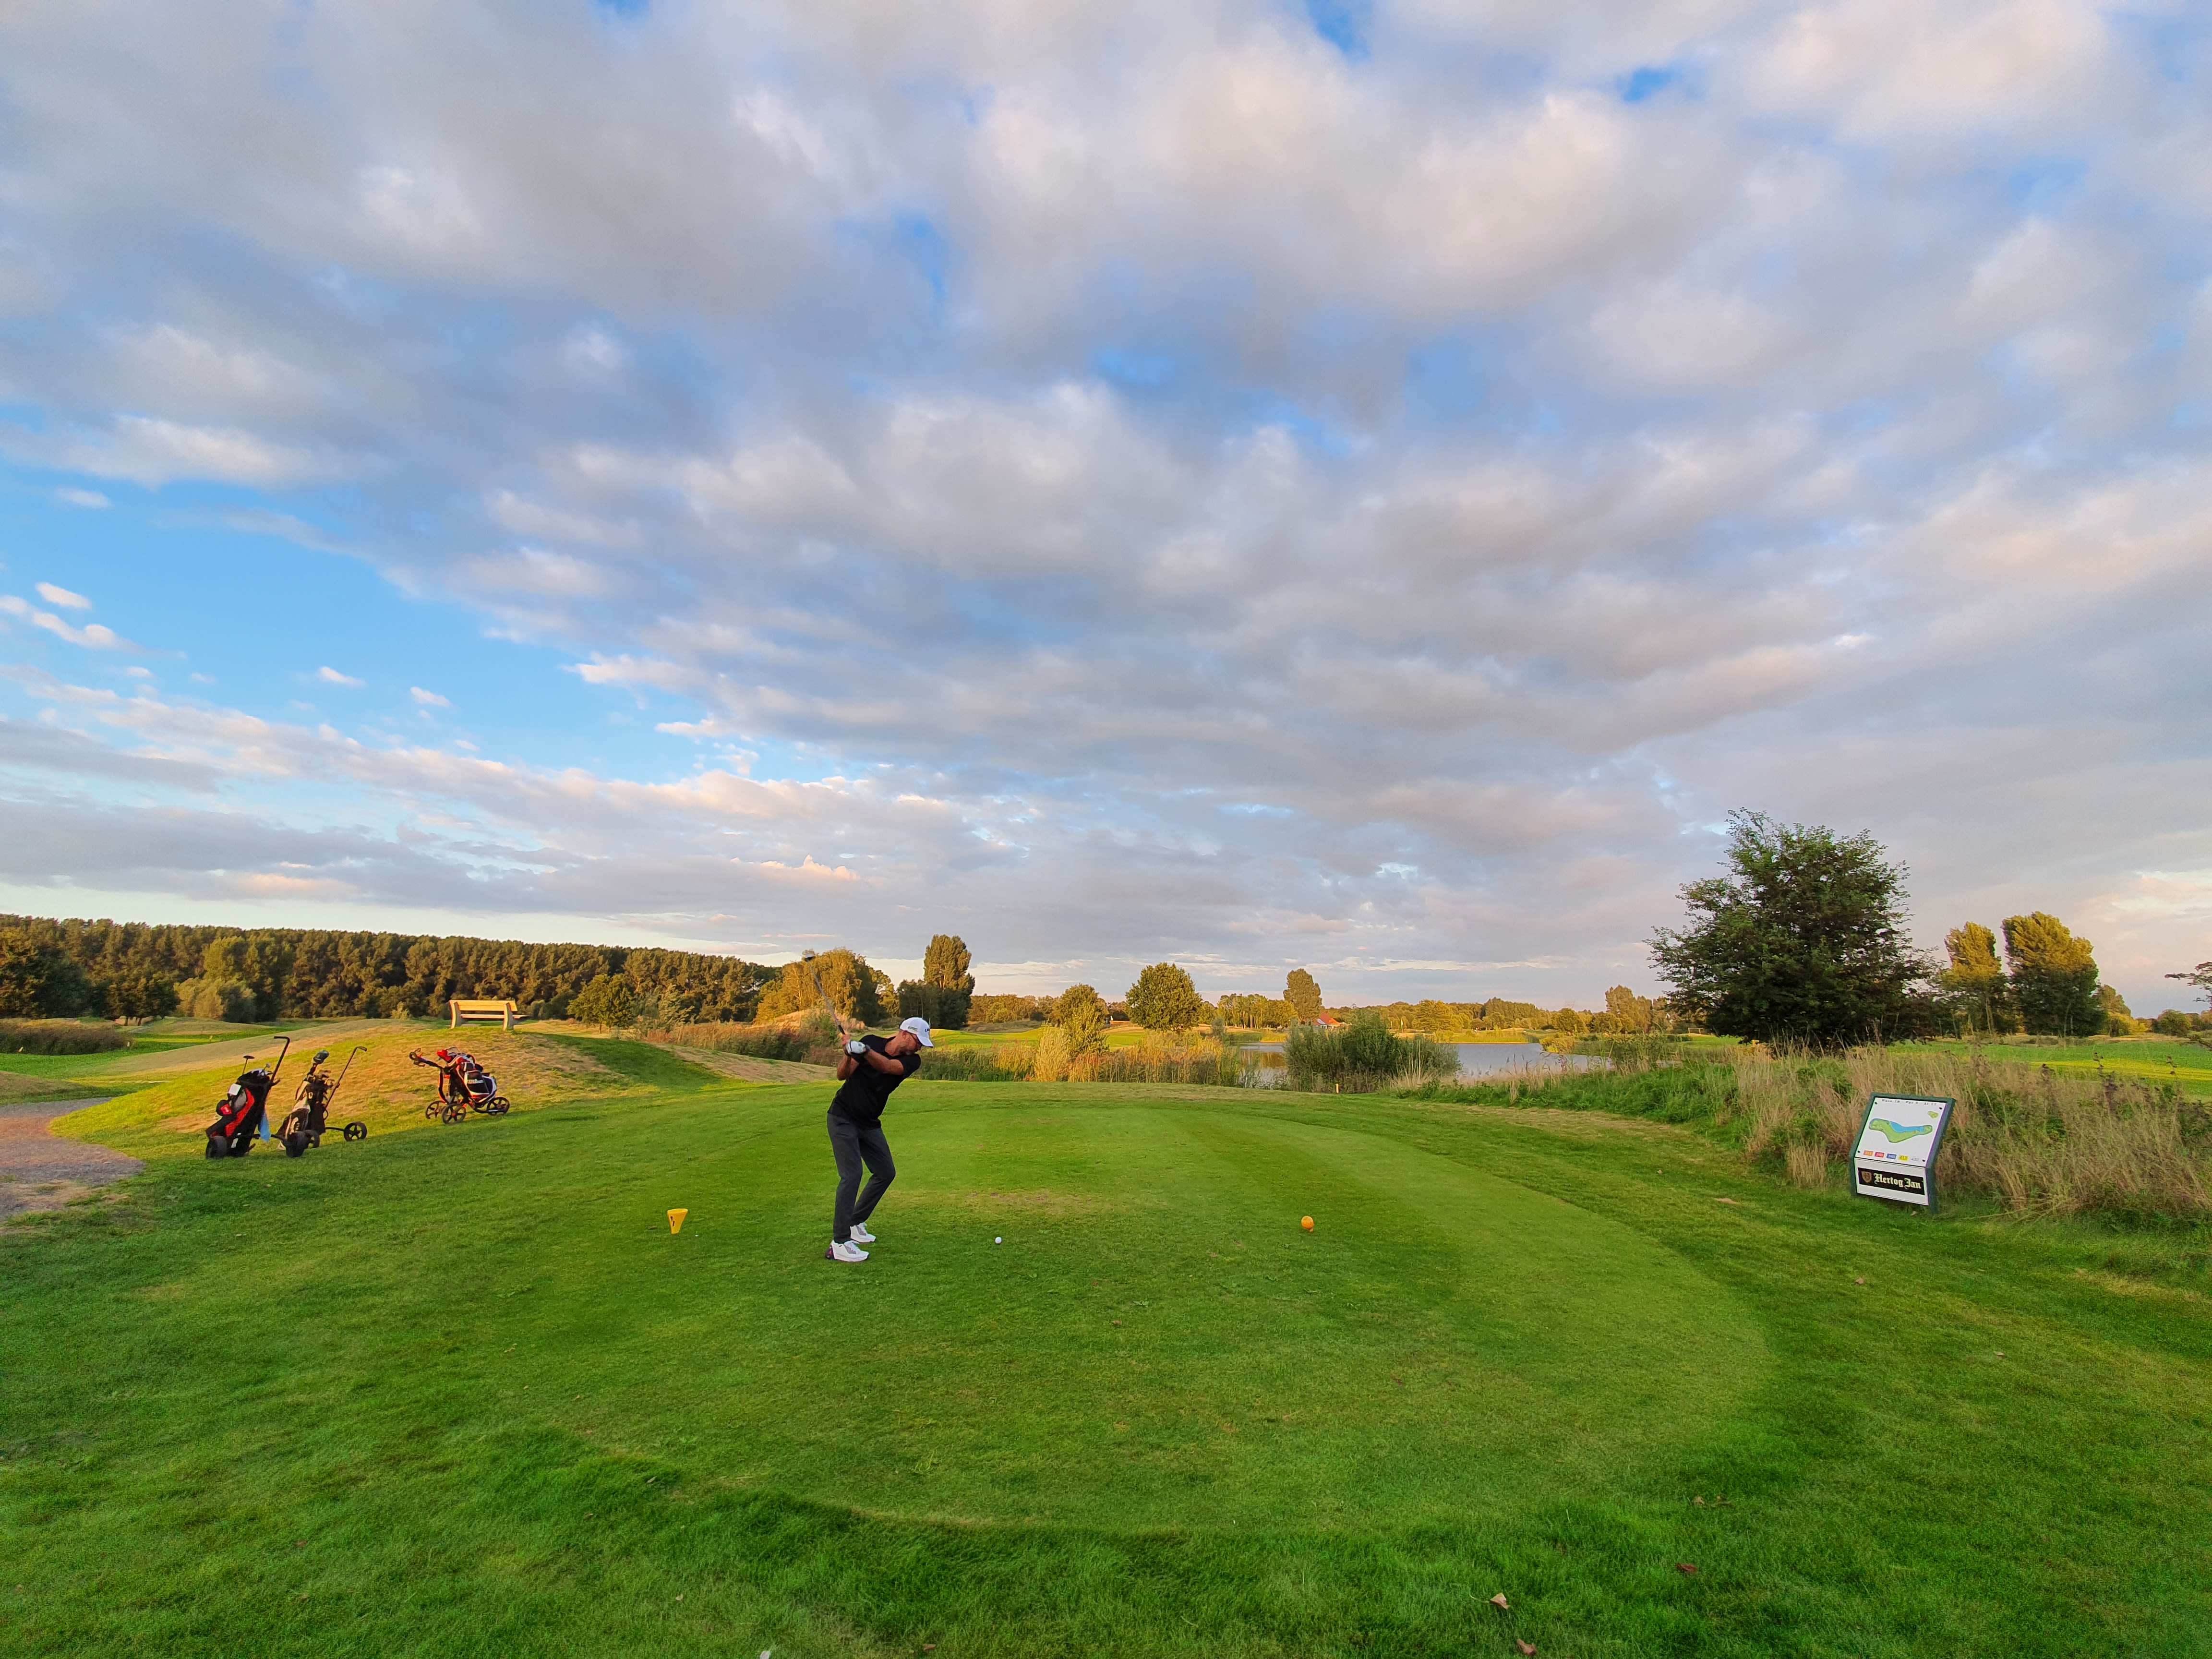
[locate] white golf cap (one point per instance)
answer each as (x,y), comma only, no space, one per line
(920,1027)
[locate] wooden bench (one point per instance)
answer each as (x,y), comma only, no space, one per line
(504,1010)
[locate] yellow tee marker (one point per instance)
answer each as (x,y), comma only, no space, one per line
(676,1220)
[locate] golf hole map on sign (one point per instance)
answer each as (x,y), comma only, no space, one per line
(1897,1149)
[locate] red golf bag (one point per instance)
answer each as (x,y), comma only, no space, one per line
(244,1109)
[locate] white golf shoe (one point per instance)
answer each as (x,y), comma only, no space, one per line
(847,1251)
(861,1235)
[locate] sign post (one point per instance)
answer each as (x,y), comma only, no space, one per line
(1898,1140)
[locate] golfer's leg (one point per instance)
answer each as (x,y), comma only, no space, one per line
(844,1143)
(881,1171)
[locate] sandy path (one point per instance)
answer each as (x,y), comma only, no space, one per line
(42,1171)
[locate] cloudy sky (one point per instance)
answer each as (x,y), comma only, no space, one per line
(1360,485)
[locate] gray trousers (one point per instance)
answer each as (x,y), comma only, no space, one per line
(855,1144)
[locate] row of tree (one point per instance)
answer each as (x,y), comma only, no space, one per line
(1806,941)
(134,971)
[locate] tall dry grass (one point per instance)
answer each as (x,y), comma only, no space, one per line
(811,1037)
(2038,1141)
(1160,1057)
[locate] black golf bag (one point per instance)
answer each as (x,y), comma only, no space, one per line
(244,1109)
(310,1116)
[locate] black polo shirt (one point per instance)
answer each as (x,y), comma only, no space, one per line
(863,1095)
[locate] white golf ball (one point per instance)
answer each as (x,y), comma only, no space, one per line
(998,1241)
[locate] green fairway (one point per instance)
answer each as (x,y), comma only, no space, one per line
(460,1392)
(2155,1060)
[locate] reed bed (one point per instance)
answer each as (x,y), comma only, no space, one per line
(58,1037)
(812,1038)
(1160,1057)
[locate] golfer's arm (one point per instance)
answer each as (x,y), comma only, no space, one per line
(882,1062)
(844,1067)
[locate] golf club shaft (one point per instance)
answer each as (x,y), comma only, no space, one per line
(815,975)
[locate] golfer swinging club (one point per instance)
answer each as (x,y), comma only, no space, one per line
(871,1069)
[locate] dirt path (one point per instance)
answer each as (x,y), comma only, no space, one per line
(40,1171)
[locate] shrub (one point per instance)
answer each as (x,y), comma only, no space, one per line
(1007,1010)
(58,1037)
(229,1000)
(1005,1063)
(1362,1054)
(608,1001)
(1049,1063)
(1161,1058)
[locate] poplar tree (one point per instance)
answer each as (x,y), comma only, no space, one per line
(1303,994)
(2054,976)
(1974,983)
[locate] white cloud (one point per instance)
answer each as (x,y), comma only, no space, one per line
(1058,427)
(87,498)
(93,636)
(64,598)
(148,451)
(330,676)
(428,699)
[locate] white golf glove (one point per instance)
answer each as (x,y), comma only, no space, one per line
(856,1046)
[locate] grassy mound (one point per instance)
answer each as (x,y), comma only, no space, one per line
(458,1392)
(384,1089)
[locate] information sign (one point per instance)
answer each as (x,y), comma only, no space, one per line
(1898,1140)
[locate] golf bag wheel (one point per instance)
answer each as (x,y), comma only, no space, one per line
(457,1115)
(294,1135)
(499,1105)
(357,1131)
(217,1146)
(296,1144)
(435,1110)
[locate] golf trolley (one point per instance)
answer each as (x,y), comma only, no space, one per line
(244,1109)
(464,1086)
(309,1119)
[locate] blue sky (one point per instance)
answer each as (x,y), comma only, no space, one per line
(1359,486)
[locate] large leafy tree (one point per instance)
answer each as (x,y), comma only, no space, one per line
(946,990)
(1164,1000)
(856,989)
(37,979)
(1080,1011)
(611,1000)
(1303,993)
(1974,984)
(1804,941)
(23,968)
(2054,976)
